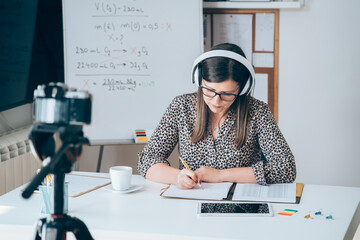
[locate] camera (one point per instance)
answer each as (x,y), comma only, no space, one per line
(63,111)
(56,104)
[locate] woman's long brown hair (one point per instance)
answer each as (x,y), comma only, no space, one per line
(219,70)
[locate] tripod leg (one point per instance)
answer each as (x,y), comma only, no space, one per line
(53,230)
(77,227)
(38,228)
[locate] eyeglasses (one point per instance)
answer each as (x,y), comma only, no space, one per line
(223,96)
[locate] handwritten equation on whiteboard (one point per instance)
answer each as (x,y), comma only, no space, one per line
(113,51)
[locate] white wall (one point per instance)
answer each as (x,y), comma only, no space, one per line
(319,90)
(15,118)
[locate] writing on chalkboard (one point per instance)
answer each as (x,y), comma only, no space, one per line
(115,9)
(112,65)
(109,52)
(119,84)
(116,63)
(132,26)
(135,53)
(113,84)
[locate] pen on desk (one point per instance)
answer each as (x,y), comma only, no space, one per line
(187,167)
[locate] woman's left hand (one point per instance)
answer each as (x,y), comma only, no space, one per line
(208,174)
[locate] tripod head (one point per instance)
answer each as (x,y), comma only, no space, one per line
(43,147)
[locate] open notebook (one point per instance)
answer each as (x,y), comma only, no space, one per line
(285,193)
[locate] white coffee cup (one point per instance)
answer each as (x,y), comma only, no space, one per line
(121,177)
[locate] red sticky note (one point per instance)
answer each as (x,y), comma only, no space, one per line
(286,213)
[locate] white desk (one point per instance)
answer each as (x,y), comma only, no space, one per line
(146,215)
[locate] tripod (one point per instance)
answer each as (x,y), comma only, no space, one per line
(57,224)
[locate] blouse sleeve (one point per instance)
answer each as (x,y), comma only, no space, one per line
(162,141)
(279,166)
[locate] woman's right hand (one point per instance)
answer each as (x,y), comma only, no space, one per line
(186,179)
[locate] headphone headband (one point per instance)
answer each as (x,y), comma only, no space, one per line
(228,54)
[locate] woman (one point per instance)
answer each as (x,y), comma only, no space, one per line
(221,130)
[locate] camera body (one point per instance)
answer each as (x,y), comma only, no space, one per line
(56,104)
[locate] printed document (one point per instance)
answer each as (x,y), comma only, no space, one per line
(285,192)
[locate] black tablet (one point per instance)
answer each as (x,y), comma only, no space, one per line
(244,209)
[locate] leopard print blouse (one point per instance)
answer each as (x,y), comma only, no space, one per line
(263,136)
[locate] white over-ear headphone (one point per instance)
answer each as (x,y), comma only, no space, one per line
(228,54)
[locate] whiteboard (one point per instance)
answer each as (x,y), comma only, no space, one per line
(133,56)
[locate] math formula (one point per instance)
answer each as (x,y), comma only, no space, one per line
(117,51)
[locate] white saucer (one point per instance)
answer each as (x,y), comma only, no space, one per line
(133,188)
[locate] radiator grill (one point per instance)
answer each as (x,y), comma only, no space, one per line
(17,164)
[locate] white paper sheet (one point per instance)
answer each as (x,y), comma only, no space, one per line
(234,28)
(261,87)
(207,191)
(265,60)
(80,184)
(264,31)
(285,192)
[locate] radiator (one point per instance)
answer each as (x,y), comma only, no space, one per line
(17,164)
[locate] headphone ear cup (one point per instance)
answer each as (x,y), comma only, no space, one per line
(195,77)
(199,73)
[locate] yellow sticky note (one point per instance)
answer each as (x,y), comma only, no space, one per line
(142,139)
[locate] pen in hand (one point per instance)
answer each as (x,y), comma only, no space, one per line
(184,163)
(188,168)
